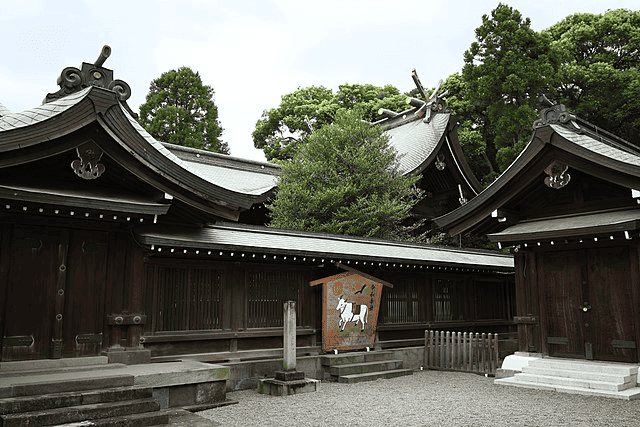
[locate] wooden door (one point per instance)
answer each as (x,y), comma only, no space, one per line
(29,317)
(609,313)
(54,303)
(587,304)
(561,285)
(84,294)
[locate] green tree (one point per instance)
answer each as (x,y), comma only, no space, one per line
(282,130)
(505,71)
(598,72)
(179,109)
(344,179)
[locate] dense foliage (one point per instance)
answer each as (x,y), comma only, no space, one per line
(598,75)
(344,179)
(589,62)
(281,130)
(179,109)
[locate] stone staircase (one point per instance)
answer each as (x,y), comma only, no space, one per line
(42,393)
(362,366)
(597,378)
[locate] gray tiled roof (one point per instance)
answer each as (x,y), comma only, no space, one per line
(246,176)
(625,220)
(269,240)
(596,146)
(415,141)
(4,111)
(41,113)
(231,178)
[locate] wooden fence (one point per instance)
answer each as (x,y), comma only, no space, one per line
(457,351)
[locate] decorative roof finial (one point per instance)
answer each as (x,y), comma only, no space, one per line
(73,80)
(433,103)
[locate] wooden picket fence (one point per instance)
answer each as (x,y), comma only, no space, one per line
(457,351)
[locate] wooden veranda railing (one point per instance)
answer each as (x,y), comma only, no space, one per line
(458,351)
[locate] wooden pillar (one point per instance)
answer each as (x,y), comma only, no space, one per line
(127,322)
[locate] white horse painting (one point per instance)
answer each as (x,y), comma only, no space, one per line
(347,313)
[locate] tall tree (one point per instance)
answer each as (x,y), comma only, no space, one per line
(281,130)
(505,71)
(344,179)
(179,109)
(598,74)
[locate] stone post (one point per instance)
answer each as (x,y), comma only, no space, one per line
(288,381)
(289,339)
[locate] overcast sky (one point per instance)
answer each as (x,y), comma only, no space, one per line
(250,52)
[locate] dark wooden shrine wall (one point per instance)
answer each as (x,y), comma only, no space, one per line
(216,306)
(580,300)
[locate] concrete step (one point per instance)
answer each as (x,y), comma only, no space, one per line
(59,384)
(572,382)
(613,368)
(628,394)
(355,357)
(365,367)
(581,375)
(59,400)
(372,376)
(80,413)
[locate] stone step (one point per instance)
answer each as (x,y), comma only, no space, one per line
(54,384)
(622,369)
(372,376)
(59,400)
(628,394)
(355,357)
(144,419)
(63,370)
(51,364)
(572,382)
(80,413)
(581,375)
(365,367)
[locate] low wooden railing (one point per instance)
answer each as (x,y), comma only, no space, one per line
(458,351)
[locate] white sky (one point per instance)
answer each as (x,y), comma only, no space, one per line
(250,52)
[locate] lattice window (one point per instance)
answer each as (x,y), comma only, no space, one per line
(188,299)
(448,300)
(492,300)
(266,293)
(404,303)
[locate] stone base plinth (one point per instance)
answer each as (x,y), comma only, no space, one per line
(129,357)
(276,387)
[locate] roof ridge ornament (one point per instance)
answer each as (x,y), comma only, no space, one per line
(72,79)
(556,114)
(433,103)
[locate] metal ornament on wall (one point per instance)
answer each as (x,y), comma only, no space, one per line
(558,176)
(87,166)
(440,164)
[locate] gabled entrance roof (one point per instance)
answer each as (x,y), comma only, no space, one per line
(95,120)
(571,179)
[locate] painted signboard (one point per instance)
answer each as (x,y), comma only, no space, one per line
(350,306)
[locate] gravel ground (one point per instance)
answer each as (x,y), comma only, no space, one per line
(428,398)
